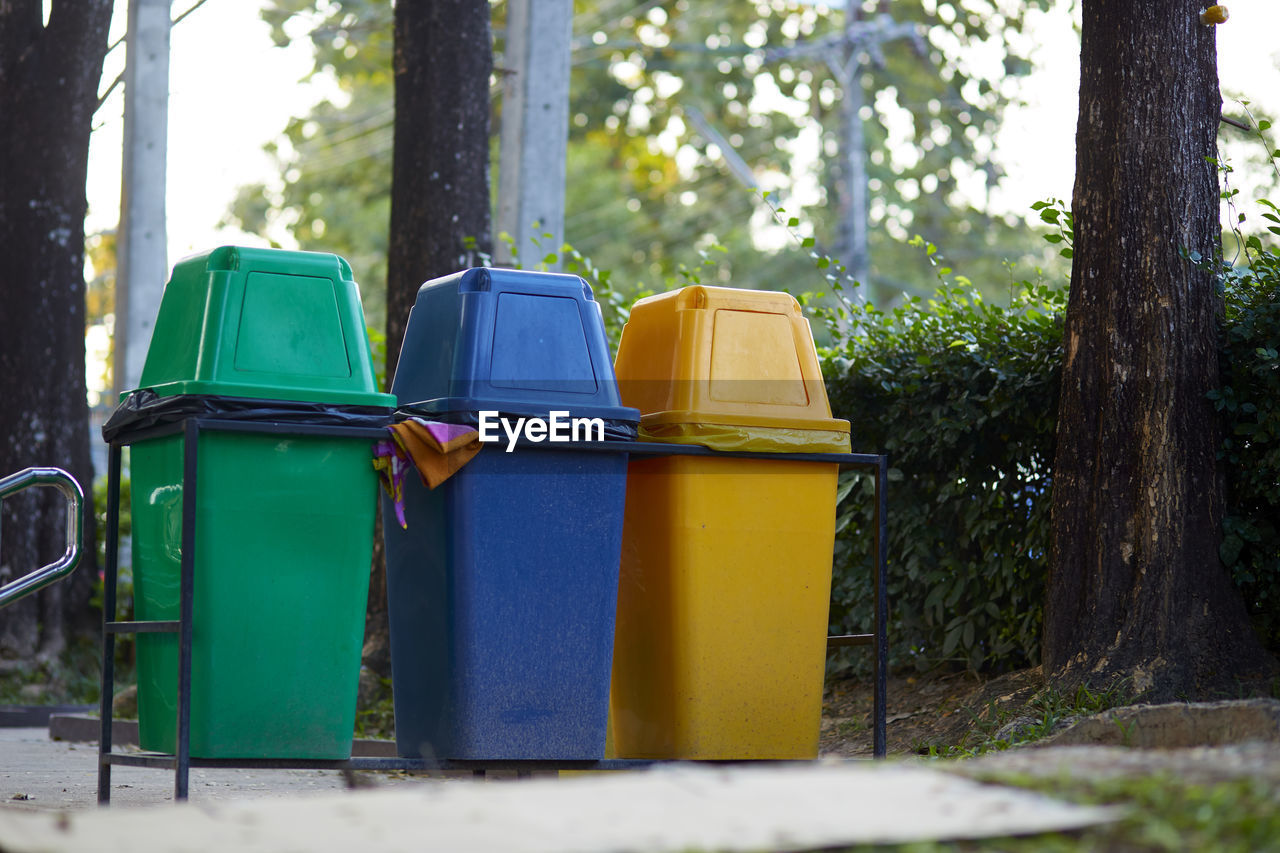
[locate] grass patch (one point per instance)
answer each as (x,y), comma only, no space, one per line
(998,726)
(375,712)
(1163,813)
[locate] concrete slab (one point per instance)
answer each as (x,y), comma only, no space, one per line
(1176,725)
(28,716)
(86,729)
(1256,760)
(39,774)
(672,808)
(83,728)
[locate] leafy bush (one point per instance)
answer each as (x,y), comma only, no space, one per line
(124,572)
(962,395)
(1250,400)
(125,643)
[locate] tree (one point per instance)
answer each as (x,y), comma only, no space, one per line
(440,168)
(337,182)
(439,184)
(49,73)
(1136,586)
(646,191)
(768,75)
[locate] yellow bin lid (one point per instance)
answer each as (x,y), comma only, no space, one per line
(719,355)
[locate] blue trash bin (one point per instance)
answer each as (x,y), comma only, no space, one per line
(503,588)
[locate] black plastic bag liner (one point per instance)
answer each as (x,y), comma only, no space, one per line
(144,409)
(614,429)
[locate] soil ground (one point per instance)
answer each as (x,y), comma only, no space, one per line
(924,709)
(917,706)
(945,709)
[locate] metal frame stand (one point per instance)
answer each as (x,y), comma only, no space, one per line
(181,762)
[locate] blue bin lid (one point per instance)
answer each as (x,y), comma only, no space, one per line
(513,341)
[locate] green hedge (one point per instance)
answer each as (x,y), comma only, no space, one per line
(1250,401)
(962,395)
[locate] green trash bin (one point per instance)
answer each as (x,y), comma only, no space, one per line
(284,522)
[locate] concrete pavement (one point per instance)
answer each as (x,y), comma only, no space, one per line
(48,794)
(39,774)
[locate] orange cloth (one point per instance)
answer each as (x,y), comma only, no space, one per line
(436,460)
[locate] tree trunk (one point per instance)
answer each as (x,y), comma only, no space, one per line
(440,166)
(440,181)
(1136,588)
(48,93)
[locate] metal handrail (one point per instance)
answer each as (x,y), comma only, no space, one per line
(65,565)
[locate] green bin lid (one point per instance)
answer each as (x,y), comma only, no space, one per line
(263,323)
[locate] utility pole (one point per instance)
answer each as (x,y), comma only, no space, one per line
(142,263)
(859,45)
(846,53)
(855,195)
(535,129)
(732,159)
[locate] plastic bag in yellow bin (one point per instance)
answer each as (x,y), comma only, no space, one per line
(750,438)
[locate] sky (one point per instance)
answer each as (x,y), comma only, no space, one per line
(1039,139)
(232,90)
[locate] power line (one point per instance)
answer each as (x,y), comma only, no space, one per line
(369,123)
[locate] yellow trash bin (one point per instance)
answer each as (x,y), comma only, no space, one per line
(725,579)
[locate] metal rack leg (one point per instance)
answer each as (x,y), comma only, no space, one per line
(110,571)
(881,665)
(182,769)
